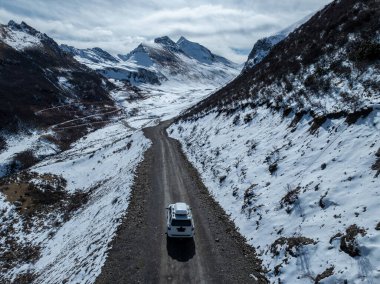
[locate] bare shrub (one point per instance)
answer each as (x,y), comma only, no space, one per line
(290,244)
(348,242)
(327,273)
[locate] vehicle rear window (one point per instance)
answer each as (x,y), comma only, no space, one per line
(184,223)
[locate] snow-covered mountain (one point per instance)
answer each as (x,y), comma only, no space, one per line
(263,46)
(158,62)
(95,54)
(35,75)
(47,99)
(291,149)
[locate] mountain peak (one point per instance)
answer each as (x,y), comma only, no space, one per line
(22,27)
(12,23)
(164,40)
(182,39)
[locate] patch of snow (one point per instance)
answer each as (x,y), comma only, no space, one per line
(19,40)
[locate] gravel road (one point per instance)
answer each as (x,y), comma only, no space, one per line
(141,252)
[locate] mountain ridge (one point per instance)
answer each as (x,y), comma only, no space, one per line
(158,62)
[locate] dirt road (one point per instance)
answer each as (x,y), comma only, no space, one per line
(141,252)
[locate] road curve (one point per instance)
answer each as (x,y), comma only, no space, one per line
(141,252)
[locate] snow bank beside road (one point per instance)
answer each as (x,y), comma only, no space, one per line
(101,165)
(308,203)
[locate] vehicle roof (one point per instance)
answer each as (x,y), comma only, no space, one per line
(181,208)
(181,211)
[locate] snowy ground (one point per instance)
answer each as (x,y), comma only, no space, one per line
(161,102)
(321,184)
(101,164)
(21,142)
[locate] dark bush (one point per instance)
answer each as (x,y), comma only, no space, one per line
(290,244)
(348,242)
(366,51)
(23,160)
(236,120)
(297,118)
(354,116)
(317,122)
(273,168)
(311,82)
(247,118)
(222,179)
(291,196)
(377,228)
(3,144)
(327,273)
(376,165)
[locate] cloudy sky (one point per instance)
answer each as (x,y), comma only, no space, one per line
(226,27)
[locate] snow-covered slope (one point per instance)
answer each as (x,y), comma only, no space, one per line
(57,228)
(159,62)
(95,54)
(291,149)
(297,197)
(201,53)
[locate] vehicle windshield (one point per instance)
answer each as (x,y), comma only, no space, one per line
(181,223)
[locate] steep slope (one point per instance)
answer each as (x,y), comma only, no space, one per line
(333,56)
(200,53)
(35,75)
(263,46)
(47,99)
(291,149)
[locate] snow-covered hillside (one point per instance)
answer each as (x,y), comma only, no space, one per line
(291,149)
(308,202)
(57,224)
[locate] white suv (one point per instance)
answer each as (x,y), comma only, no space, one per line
(179,221)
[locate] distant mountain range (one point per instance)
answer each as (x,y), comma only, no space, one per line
(158,62)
